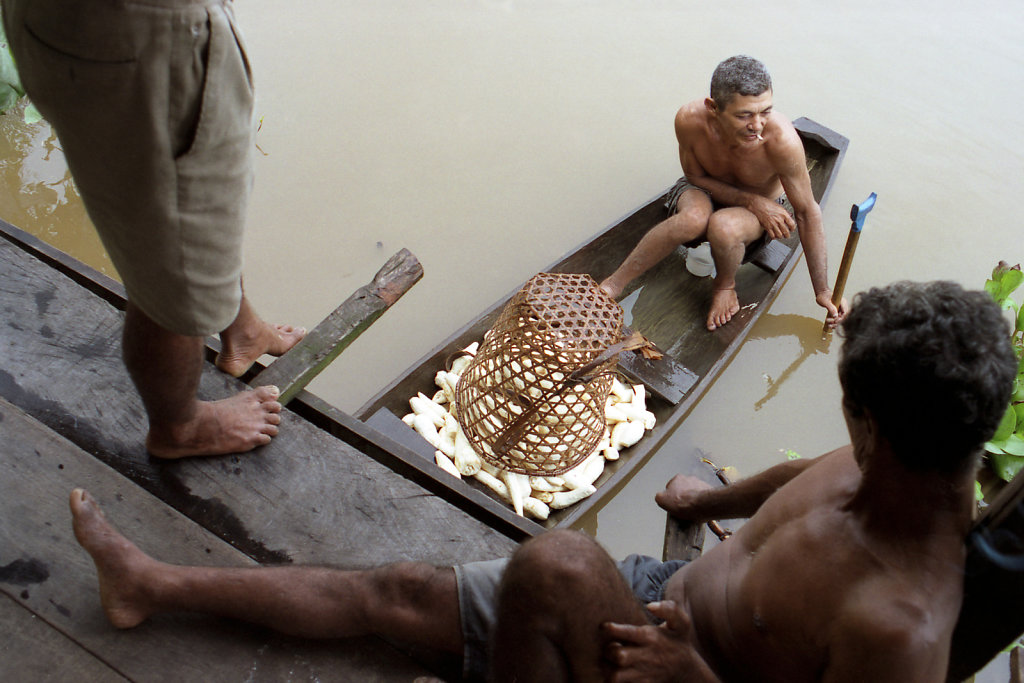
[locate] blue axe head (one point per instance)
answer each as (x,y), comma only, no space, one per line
(860,211)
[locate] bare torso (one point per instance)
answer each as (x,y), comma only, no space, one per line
(771,603)
(704,150)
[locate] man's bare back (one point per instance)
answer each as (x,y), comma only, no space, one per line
(806,591)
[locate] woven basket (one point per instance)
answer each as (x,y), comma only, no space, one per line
(519,402)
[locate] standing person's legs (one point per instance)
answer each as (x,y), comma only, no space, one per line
(688,223)
(165,368)
(248,337)
(556,592)
(153,107)
(412,602)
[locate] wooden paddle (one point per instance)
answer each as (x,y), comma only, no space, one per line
(857,214)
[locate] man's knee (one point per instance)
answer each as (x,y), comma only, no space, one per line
(688,224)
(557,562)
(730,228)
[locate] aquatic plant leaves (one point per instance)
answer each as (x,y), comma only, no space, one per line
(1006,426)
(8,71)
(10,82)
(8,97)
(1005,465)
(1006,449)
(31,114)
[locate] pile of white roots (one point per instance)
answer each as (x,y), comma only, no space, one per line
(433,418)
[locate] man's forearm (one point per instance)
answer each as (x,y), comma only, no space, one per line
(742,498)
(723,193)
(812,237)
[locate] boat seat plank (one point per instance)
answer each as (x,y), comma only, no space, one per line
(57,580)
(663,377)
(304,361)
(389,424)
(771,256)
(307,497)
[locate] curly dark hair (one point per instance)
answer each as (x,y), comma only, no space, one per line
(739,75)
(933,364)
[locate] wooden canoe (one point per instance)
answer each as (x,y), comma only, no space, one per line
(668,305)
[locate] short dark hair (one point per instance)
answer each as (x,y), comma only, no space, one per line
(933,364)
(739,75)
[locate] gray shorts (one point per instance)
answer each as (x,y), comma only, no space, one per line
(152,101)
(478,600)
(682,185)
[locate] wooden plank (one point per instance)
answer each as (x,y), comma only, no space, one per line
(32,650)
(307,497)
(771,256)
(683,541)
(664,377)
(388,424)
(297,368)
(107,288)
(58,580)
(466,494)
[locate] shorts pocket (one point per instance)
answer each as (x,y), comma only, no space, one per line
(86,31)
(226,102)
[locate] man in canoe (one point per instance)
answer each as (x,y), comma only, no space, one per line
(745,181)
(153,107)
(850,567)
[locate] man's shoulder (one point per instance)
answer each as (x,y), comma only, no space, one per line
(692,114)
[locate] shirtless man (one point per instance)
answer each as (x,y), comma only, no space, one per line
(745,171)
(849,569)
(153,108)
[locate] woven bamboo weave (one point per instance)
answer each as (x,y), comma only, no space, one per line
(518,402)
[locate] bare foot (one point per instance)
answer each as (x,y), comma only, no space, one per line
(232,425)
(610,289)
(243,343)
(724,305)
(120,565)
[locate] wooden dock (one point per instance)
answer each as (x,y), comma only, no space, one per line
(69,416)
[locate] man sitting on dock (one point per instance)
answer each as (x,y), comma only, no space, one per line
(745,181)
(153,108)
(849,569)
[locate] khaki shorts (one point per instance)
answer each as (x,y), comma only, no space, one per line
(478,584)
(153,104)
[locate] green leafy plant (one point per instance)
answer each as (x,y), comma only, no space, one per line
(10,83)
(1006,449)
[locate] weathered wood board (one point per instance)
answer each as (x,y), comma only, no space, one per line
(53,581)
(32,650)
(307,497)
(304,361)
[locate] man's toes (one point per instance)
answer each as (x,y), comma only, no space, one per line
(267,394)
